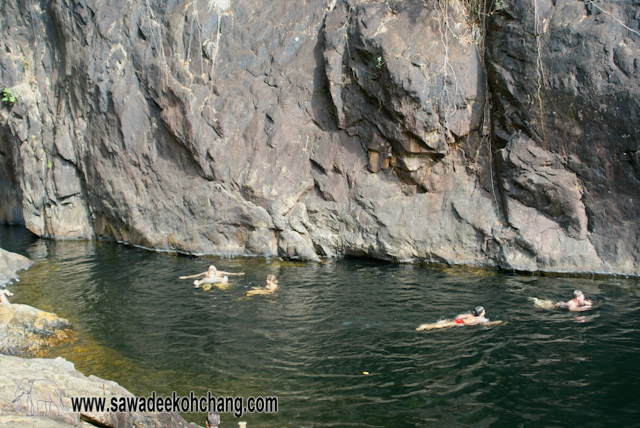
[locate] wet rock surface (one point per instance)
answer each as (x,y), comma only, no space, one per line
(327,128)
(27,331)
(54,382)
(10,265)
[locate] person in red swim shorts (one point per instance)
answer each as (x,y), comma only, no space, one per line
(476,317)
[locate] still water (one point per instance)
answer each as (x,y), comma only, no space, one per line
(310,343)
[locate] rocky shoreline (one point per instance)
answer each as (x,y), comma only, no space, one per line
(55,381)
(35,392)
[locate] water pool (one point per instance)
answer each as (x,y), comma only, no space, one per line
(310,343)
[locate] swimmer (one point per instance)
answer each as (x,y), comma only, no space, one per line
(270,287)
(213,420)
(3,296)
(212,273)
(272,283)
(474,318)
(213,276)
(577,304)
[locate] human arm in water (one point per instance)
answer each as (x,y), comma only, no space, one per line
(193,276)
(218,273)
(221,272)
(3,296)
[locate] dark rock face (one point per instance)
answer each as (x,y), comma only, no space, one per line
(10,265)
(323,128)
(27,331)
(564,78)
(538,179)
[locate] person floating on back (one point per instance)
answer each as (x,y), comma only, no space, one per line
(270,287)
(474,318)
(577,304)
(3,296)
(212,276)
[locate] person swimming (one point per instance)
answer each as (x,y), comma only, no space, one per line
(270,287)
(3,296)
(477,316)
(577,304)
(272,283)
(212,276)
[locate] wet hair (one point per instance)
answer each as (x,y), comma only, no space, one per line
(213,419)
(478,310)
(577,294)
(272,278)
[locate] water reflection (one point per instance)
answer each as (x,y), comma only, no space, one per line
(311,341)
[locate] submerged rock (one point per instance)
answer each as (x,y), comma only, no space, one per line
(53,382)
(10,264)
(27,331)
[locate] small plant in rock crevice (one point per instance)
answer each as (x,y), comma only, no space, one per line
(8,96)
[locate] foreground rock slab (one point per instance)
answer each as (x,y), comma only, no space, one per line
(10,264)
(63,382)
(27,331)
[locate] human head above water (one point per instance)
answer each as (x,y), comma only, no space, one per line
(213,420)
(212,267)
(478,311)
(272,278)
(577,294)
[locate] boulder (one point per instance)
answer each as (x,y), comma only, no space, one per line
(58,380)
(10,264)
(27,331)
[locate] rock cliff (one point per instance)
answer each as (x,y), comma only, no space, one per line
(401,130)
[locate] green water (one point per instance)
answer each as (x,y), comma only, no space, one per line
(310,342)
